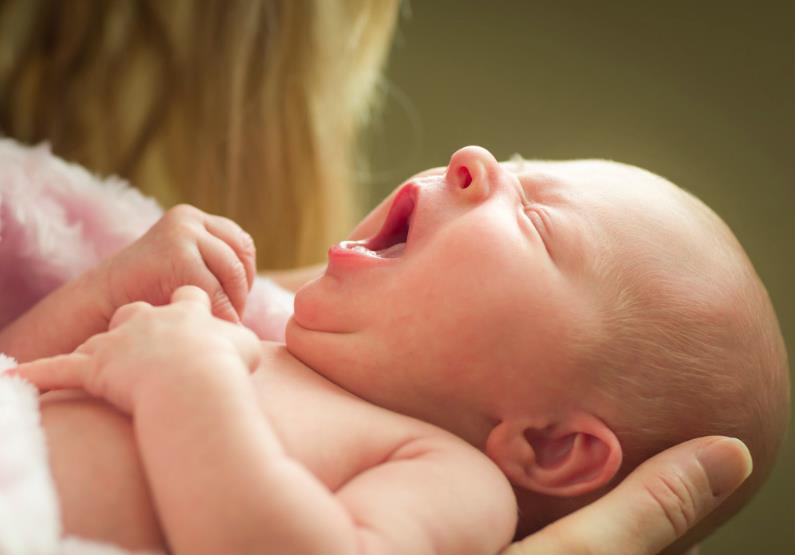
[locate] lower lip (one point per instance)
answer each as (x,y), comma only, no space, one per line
(340,257)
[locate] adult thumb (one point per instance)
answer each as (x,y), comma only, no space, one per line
(655,505)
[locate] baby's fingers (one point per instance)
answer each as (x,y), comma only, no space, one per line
(124,313)
(58,372)
(191,293)
(245,341)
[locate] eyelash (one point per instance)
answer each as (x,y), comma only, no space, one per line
(523,197)
(536,219)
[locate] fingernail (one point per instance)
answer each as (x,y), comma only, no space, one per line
(727,463)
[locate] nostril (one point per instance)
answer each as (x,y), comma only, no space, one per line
(464,177)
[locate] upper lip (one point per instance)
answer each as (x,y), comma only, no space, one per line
(397,225)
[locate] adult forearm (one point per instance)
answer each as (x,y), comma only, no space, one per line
(60,321)
(220,478)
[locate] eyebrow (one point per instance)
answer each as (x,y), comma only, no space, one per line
(542,185)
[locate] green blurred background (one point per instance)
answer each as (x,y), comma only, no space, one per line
(702,93)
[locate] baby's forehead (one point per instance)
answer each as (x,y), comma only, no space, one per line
(588,174)
(617,208)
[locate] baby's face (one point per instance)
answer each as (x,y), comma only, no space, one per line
(479,286)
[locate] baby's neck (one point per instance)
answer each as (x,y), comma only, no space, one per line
(474,430)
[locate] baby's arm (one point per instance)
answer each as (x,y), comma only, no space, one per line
(185,247)
(432,495)
(222,482)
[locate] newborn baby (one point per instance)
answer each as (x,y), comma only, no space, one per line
(566,319)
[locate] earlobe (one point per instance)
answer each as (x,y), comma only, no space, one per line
(576,455)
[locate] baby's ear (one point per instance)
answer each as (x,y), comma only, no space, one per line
(576,455)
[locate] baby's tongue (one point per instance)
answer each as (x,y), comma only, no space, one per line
(392,252)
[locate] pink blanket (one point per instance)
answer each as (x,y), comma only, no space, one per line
(57,220)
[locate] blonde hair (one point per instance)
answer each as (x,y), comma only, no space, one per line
(247,108)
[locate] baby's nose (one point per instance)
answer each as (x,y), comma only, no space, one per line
(472,170)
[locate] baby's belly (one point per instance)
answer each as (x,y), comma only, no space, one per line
(97,471)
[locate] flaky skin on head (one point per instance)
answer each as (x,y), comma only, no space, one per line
(692,348)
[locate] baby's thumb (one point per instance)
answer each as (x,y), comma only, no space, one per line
(654,506)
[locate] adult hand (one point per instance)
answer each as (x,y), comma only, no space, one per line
(185,247)
(654,506)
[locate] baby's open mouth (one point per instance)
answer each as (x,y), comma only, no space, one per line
(391,241)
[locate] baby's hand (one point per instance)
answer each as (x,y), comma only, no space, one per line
(185,247)
(147,347)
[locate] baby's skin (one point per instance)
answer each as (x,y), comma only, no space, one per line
(259,449)
(429,376)
(244,446)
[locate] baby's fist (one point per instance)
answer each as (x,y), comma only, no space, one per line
(150,348)
(185,247)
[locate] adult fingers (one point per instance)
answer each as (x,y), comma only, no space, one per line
(240,241)
(58,372)
(656,504)
(229,298)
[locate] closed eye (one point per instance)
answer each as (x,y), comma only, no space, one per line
(536,217)
(539,220)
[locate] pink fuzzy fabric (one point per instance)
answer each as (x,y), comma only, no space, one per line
(57,220)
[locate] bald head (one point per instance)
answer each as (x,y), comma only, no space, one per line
(687,341)
(690,344)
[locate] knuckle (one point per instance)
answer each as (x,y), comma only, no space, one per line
(675,498)
(130,309)
(239,238)
(184,267)
(182,211)
(238,273)
(93,382)
(247,242)
(180,219)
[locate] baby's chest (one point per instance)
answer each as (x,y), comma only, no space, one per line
(334,434)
